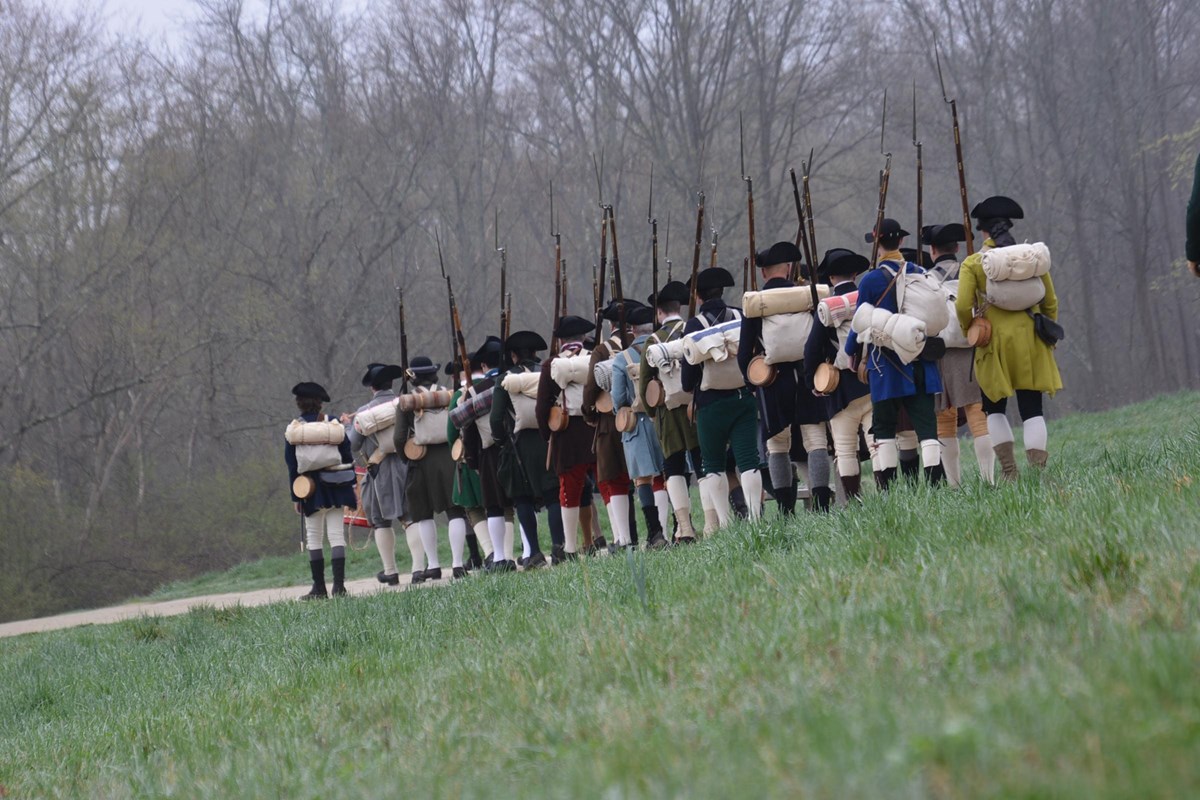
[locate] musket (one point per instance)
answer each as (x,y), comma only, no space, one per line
(455,320)
(558,281)
(920,175)
(696,255)
(802,242)
(958,154)
(595,290)
(753,275)
(505,298)
(712,255)
(566,292)
(653,239)
(801,232)
(603,280)
(884,177)
(618,291)
(667,248)
(403,340)
(805,171)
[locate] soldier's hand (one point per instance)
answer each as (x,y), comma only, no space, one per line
(299,508)
(1194,268)
(345,418)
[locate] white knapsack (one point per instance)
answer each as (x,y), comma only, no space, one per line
(920,295)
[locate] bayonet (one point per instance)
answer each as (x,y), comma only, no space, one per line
(752,277)
(958,153)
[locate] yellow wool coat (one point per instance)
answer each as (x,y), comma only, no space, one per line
(1015,358)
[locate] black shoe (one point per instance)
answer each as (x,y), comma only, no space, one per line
(316,593)
(558,554)
(458,572)
(503,566)
(785,500)
(417,577)
(433,574)
(657,542)
(487,562)
(390,580)
(822,498)
(339,577)
(685,540)
(599,544)
(535,561)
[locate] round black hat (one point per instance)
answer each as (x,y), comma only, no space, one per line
(888,229)
(641,315)
(778,253)
(840,261)
(939,235)
(713,278)
(670,292)
(312,391)
(381,373)
(525,340)
(998,206)
(489,353)
(612,310)
(423,365)
(571,326)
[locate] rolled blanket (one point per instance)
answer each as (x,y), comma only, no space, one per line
(525,383)
(566,370)
(603,372)
(789,300)
(376,418)
(665,356)
(713,344)
(332,432)
(472,407)
(833,311)
(1017,262)
(900,333)
(418,401)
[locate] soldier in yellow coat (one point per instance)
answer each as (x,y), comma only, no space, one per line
(1016,361)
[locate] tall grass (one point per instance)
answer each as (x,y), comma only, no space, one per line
(1037,639)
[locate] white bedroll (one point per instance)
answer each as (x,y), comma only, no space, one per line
(716,349)
(785,300)
(522,388)
(833,311)
(316,444)
(667,359)
(920,295)
(570,373)
(1014,275)
(902,334)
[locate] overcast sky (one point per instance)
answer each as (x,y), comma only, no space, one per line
(164,19)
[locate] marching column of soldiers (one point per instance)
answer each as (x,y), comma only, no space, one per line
(827,367)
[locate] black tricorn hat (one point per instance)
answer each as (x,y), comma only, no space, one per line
(670,292)
(713,278)
(943,234)
(525,340)
(423,365)
(778,253)
(381,373)
(888,229)
(840,261)
(921,259)
(489,352)
(641,315)
(571,327)
(612,312)
(311,391)
(454,367)
(998,206)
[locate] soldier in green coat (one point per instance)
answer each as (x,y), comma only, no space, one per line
(466,491)
(1016,361)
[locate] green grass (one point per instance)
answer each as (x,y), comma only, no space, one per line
(1035,640)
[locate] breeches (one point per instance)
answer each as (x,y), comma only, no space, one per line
(920,411)
(731,422)
(1029,404)
(947,421)
(845,426)
(324,522)
(570,485)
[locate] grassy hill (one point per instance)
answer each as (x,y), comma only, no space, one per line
(1038,639)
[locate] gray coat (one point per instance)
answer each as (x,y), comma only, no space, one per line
(383,487)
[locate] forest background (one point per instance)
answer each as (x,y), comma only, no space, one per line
(188,229)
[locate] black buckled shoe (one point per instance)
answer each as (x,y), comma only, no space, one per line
(458,572)
(390,580)
(417,577)
(535,561)
(558,554)
(433,574)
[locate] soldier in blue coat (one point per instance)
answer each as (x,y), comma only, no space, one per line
(894,384)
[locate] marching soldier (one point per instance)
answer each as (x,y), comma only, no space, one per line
(383,487)
(726,411)
(1016,360)
(677,436)
(787,401)
(467,493)
(431,467)
(329,486)
(522,460)
(896,385)
(643,456)
(612,479)
(960,390)
(570,439)
(848,404)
